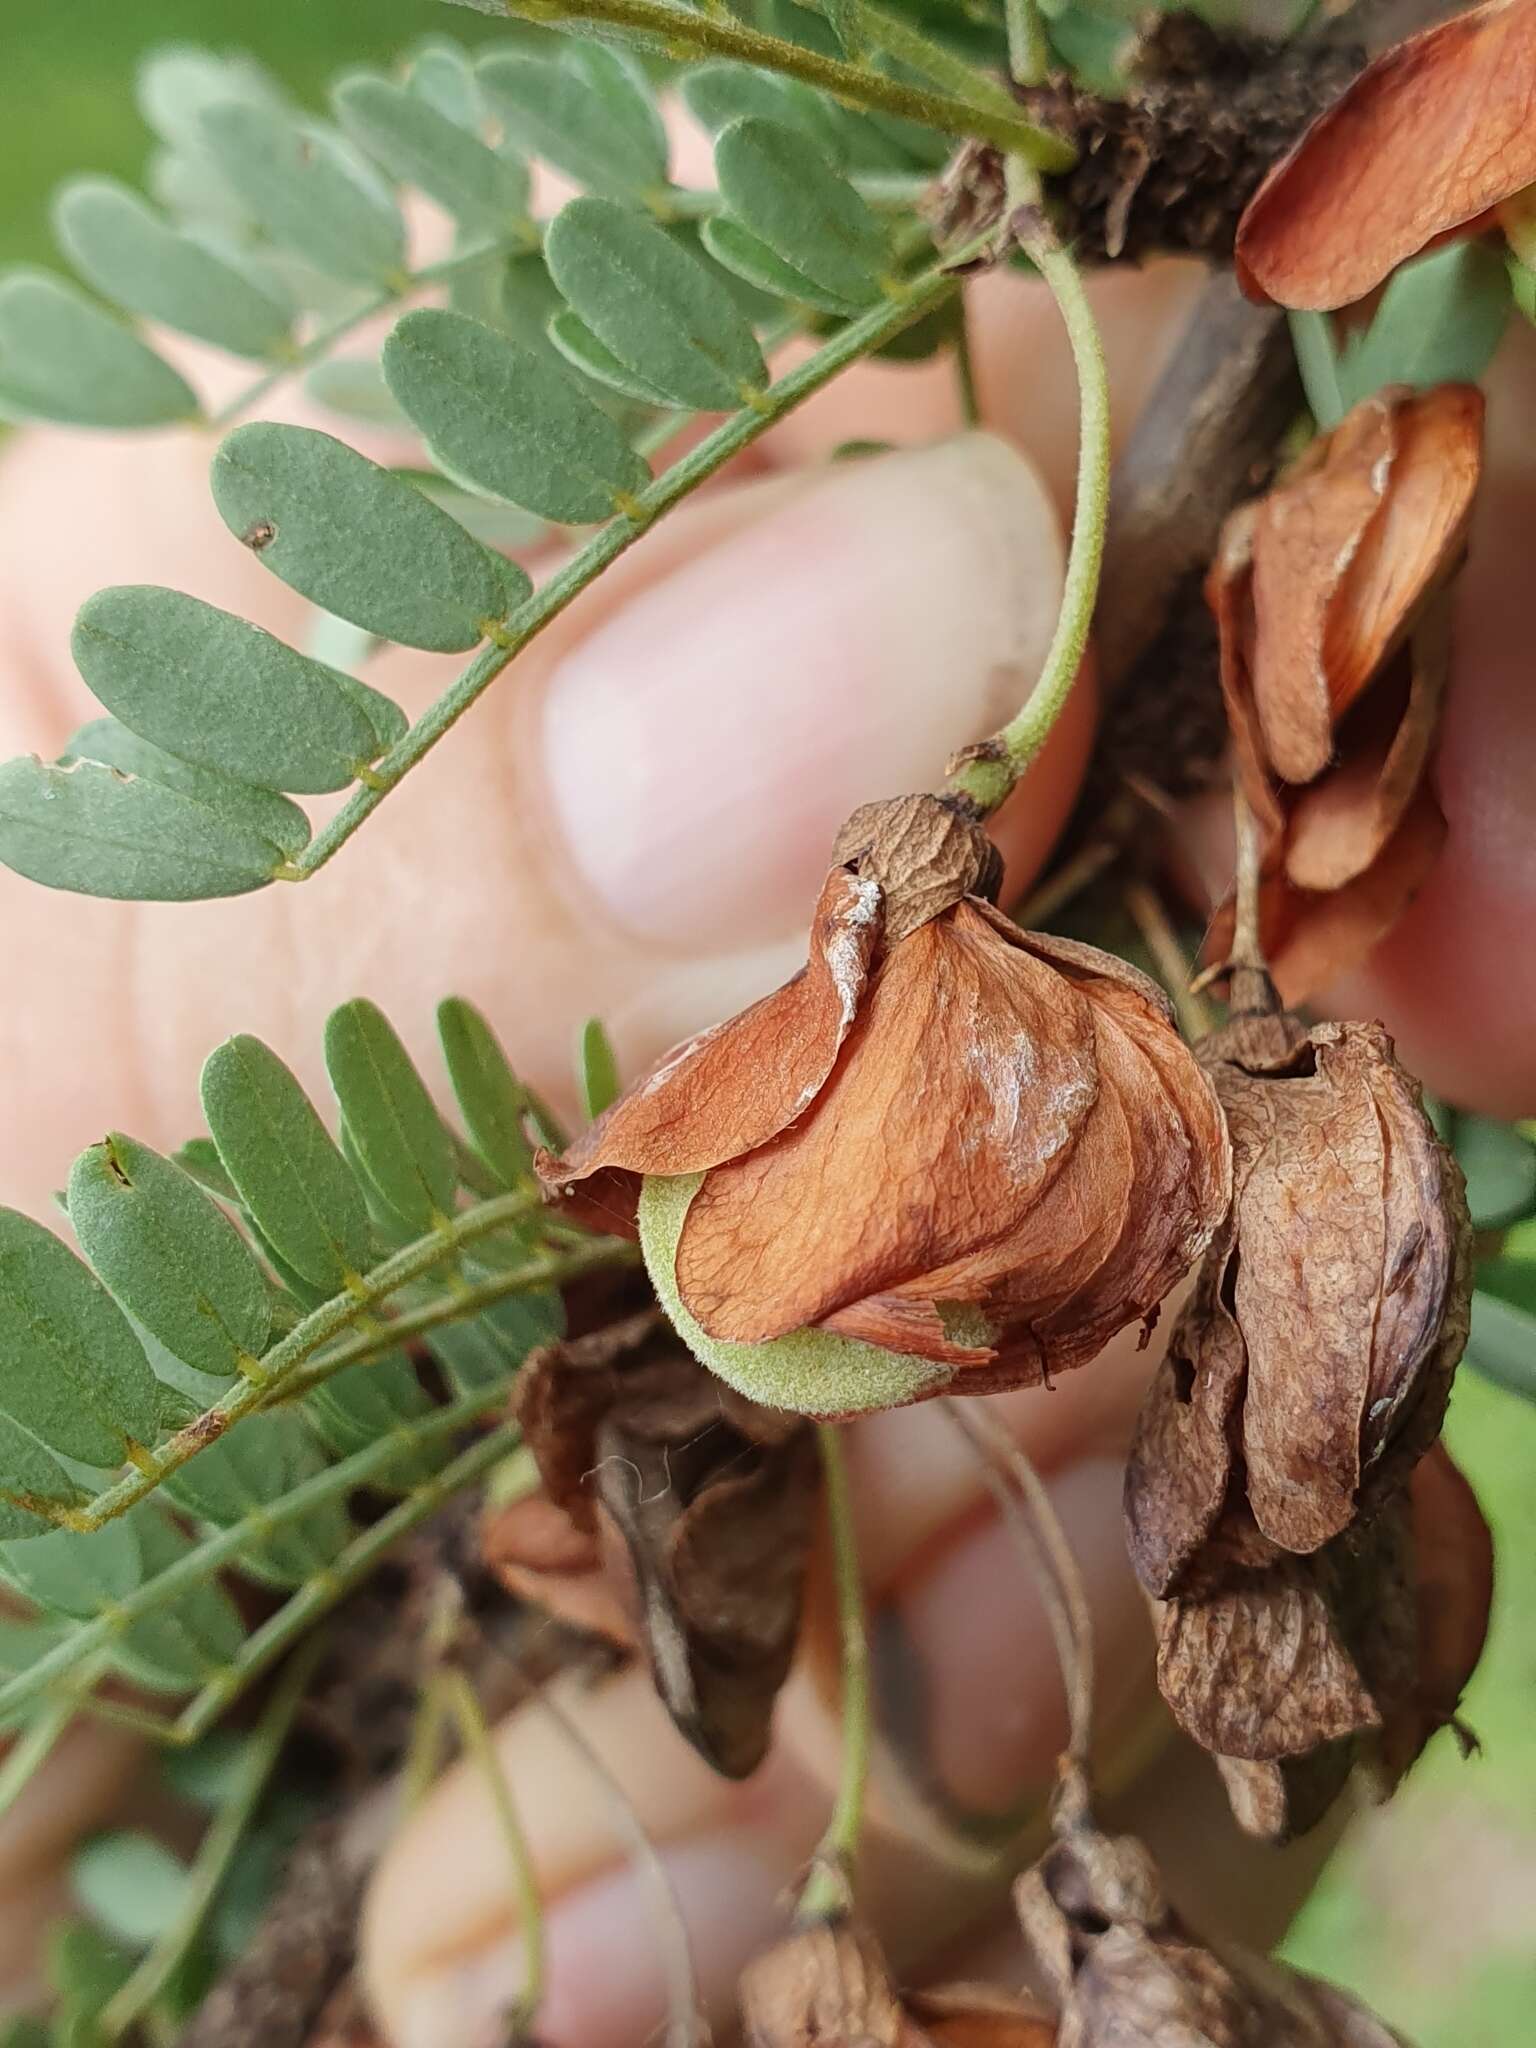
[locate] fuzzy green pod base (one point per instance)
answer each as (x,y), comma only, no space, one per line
(811,1372)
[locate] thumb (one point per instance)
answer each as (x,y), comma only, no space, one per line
(632,824)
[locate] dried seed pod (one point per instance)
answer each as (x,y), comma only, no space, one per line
(829,1985)
(960,1143)
(711,1499)
(1329,600)
(1312,1365)
(1429,137)
(1127,1973)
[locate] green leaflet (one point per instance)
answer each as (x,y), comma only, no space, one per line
(354,387)
(308,191)
(401,1141)
(360,542)
(92,830)
(220,692)
(62,358)
(491,520)
(489,1094)
(1502,1342)
(260,811)
(741,253)
(184,1643)
(415,142)
(175,85)
(84,1966)
(653,306)
(170,1255)
(298,1188)
(442,75)
(128,253)
(1439,322)
(584,352)
(78,1575)
(485,1350)
(71,1370)
(1500,1165)
(717,94)
(812,1372)
(131,1884)
(505,420)
(26,1468)
(597,1069)
(266,1457)
(780,187)
(589,113)
(354,1408)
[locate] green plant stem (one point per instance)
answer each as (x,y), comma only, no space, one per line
(319,1595)
(965,366)
(828,1890)
(991,770)
(280,1364)
(982,108)
(31,1751)
(1029,49)
(479,1748)
(859,338)
(196,1566)
(210,1866)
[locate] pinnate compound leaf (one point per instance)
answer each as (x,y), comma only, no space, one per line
(261,1461)
(401,1141)
(588,113)
(170,1255)
(71,1370)
(89,829)
(489,1094)
(354,1408)
(484,1351)
(740,252)
(598,1070)
(779,186)
(481,187)
(62,358)
(217,691)
(27,1469)
(1440,321)
(299,1190)
(128,253)
(653,306)
(308,191)
(506,420)
(358,540)
(239,804)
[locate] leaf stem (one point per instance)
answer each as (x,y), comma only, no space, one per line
(464,1705)
(980,107)
(828,1891)
(32,1750)
(859,338)
(987,773)
(280,1365)
(210,1867)
(196,1566)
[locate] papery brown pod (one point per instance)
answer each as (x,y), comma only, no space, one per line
(1127,1973)
(1429,137)
(948,1138)
(828,1986)
(1329,599)
(711,1500)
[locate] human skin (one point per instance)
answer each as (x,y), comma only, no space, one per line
(633,824)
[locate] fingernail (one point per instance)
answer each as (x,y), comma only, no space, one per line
(726,719)
(971,1686)
(605,1956)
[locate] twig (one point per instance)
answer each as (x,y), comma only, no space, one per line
(1162,942)
(464,1704)
(828,1891)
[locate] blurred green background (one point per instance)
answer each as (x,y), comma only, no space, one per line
(1429,1910)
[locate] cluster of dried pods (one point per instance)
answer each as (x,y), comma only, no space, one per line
(985,1150)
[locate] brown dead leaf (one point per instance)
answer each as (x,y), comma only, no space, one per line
(1426,140)
(1282,1799)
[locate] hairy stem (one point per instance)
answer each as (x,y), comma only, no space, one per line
(987,773)
(1029,50)
(129,2004)
(480,1749)
(196,1566)
(859,338)
(828,1891)
(981,108)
